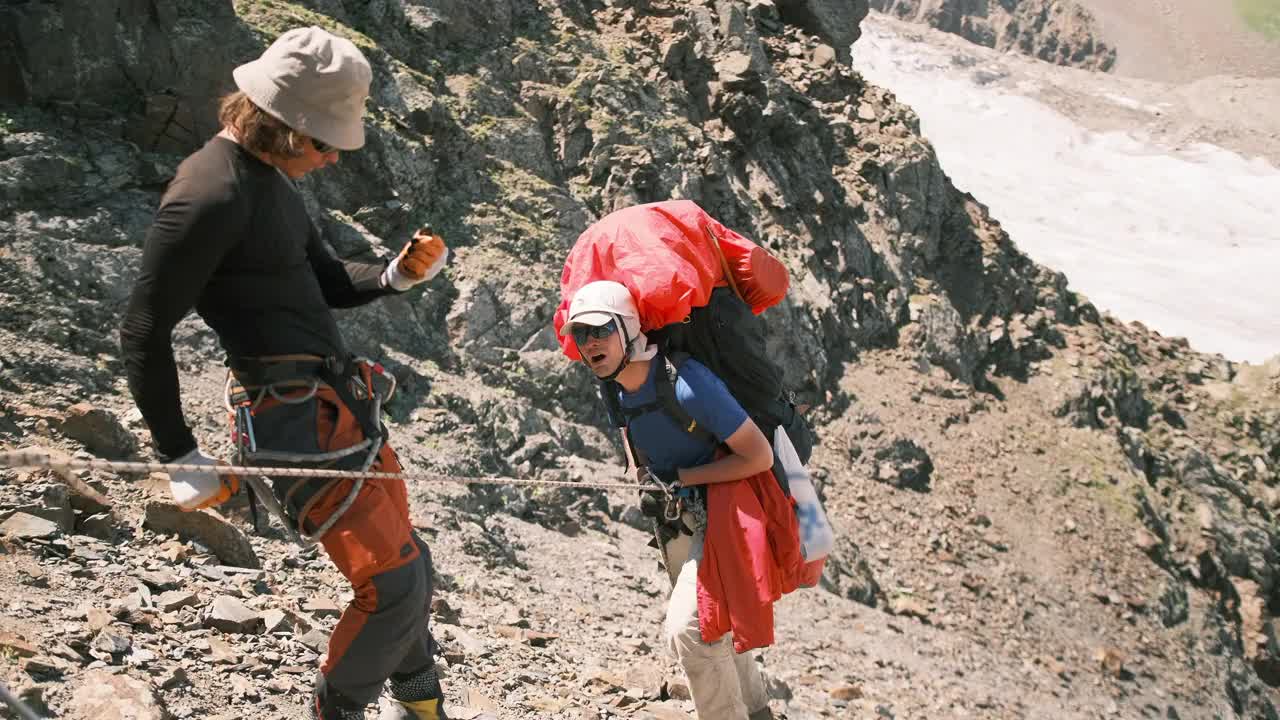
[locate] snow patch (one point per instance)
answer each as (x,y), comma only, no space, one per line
(1185,239)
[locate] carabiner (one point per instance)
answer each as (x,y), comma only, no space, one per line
(663,487)
(672,508)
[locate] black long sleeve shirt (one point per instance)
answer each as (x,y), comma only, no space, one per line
(233,239)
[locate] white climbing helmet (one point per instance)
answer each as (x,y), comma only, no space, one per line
(596,303)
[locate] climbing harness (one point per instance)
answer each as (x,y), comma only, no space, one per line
(294,380)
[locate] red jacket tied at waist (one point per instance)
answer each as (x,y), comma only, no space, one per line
(750,558)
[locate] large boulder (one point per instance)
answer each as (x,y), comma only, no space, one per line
(836,21)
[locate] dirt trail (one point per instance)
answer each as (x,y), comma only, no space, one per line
(1183,40)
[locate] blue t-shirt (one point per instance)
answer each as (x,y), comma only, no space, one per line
(703,395)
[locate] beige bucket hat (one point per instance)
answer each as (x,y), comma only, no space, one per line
(314,82)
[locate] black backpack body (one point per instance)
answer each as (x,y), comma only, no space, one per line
(726,337)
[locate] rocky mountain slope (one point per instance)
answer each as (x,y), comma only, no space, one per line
(1043,512)
(1058,31)
(1183,41)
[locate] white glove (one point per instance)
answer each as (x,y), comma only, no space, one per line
(195,490)
(422,258)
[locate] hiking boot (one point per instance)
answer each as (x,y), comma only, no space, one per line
(329,711)
(389,709)
(763,713)
(416,696)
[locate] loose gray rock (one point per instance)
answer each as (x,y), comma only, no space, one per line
(24,526)
(315,640)
(835,21)
(322,607)
(55,506)
(824,55)
(206,527)
(176,600)
(159,580)
(98,430)
(105,695)
(904,464)
(230,615)
(112,642)
(847,574)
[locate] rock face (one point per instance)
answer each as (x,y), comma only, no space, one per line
(975,416)
(730,105)
(147,66)
(835,21)
(1057,31)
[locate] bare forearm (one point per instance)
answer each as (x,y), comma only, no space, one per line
(749,453)
(727,469)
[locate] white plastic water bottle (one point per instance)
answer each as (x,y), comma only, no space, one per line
(817,538)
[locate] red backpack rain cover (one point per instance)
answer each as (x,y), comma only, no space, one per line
(666,254)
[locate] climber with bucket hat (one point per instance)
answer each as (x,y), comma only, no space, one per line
(233,240)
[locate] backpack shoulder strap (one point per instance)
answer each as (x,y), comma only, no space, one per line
(620,418)
(609,395)
(637,455)
(664,383)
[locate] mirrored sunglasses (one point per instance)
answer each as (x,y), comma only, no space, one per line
(581,333)
(322,147)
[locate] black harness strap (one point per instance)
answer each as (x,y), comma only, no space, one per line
(665,385)
(666,402)
(251,372)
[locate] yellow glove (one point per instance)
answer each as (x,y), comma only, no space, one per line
(421,259)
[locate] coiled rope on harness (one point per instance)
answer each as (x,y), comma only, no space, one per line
(351,381)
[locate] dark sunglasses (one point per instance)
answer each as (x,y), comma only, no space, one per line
(581,333)
(322,147)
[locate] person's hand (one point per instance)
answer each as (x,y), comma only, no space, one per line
(193,490)
(654,504)
(422,258)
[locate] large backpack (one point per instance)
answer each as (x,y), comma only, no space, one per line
(726,337)
(699,287)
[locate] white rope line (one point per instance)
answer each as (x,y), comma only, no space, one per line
(16,459)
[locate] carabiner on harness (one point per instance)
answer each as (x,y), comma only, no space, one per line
(674,504)
(375,370)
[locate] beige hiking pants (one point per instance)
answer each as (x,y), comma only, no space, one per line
(724,684)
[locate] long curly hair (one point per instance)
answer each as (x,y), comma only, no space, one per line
(257,130)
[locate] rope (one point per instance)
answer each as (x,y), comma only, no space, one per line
(19,708)
(16,459)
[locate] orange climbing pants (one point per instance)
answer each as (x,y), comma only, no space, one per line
(384,629)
